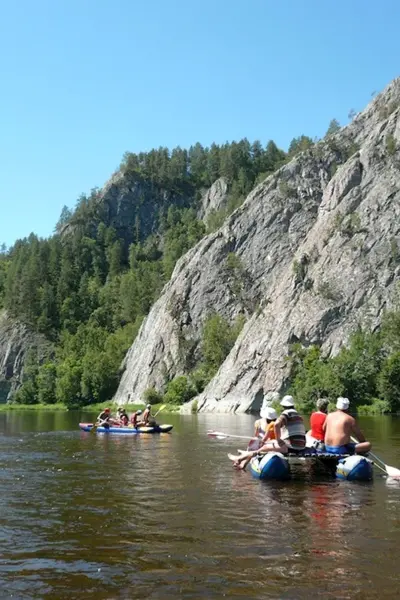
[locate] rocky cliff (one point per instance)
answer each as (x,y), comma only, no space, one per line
(318,252)
(134,205)
(16,341)
(214,199)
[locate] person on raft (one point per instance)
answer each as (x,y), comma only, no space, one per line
(317,421)
(147,419)
(265,424)
(104,418)
(123,417)
(290,434)
(134,418)
(339,426)
(263,427)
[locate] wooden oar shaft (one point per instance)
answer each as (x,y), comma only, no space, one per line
(222,434)
(391,471)
(379,467)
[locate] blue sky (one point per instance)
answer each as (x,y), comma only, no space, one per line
(82,81)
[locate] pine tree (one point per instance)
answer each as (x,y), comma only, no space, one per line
(333,128)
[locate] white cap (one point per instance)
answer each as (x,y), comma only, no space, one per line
(342,403)
(267,412)
(287,401)
(148,406)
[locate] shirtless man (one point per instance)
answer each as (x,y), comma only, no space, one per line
(339,426)
(146,419)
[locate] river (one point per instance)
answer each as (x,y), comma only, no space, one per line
(110,517)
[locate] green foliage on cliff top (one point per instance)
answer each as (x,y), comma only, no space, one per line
(367,371)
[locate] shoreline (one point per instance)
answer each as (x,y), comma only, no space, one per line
(169,409)
(96,408)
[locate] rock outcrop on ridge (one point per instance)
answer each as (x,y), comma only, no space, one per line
(214,199)
(318,252)
(16,341)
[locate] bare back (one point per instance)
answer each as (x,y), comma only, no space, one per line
(338,428)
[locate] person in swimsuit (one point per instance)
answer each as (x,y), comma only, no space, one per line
(148,420)
(339,428)
(135,418)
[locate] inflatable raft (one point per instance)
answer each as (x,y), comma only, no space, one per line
(127,430)
(274,465)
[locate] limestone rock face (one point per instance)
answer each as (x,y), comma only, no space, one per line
(214,199)
(16,340)
(317,250)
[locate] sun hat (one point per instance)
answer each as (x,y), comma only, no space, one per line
(267,412)
(287,401)
(342,403)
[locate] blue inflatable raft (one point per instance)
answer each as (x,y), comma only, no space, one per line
(127,430)
(354,468)
(272,465)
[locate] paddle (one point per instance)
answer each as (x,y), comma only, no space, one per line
(391,471)
(160,409)
(102,424)
(221,435)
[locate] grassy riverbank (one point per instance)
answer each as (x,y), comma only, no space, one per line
(36,407)
(96,408)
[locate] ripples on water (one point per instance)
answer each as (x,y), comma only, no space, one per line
(86,516)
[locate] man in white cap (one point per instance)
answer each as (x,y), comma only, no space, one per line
(339,427)
(290,432)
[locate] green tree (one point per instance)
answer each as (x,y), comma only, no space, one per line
(46,383)
(218,337)
(65,217)
(179,391)
(300,144)
(389,381)
(334,127)
(312,376)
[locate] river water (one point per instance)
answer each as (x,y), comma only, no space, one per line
(166,516)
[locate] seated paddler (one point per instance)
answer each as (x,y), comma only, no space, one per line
(317,434)
(104,418)
(340,427)
(265,426)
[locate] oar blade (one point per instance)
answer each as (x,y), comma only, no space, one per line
(392,471)
(216,434)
